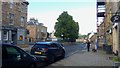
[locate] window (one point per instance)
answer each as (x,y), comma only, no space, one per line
(11,3)
(5,35)
(11,18)
(13,53)
(54,45)
(22,19)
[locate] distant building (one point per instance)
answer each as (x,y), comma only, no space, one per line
(37,31)
(13,19)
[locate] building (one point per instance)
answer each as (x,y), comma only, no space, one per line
(115,10)
(108,26)
(100,34)
(0,22)
(37,32)
(100,8)
(14,18)
(110,29)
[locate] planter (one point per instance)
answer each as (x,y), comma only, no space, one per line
(116,63)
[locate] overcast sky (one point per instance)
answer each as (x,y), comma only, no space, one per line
(47,12)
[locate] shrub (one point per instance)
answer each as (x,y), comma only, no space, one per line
(117,59)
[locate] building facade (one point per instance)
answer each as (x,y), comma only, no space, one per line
(100,34)
(0,22)
(100,23)
(37,32)
(14,18)
(115,10)
(111,29)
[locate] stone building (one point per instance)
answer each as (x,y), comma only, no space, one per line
(37,32)
(14,18)
(111,30)
(115,10)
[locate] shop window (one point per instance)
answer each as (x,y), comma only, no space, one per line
(5,35)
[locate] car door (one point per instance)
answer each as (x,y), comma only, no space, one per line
(54,49)
(15,58)
(60,49)
(26,59)
(11,57)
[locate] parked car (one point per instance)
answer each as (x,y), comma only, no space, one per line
(15,57)
(48,51)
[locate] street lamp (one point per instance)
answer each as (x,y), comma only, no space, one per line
(62,36)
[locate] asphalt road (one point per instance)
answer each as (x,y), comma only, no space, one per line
(69,49)
(74,48)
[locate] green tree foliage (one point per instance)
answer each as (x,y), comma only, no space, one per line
(66,27)
(82,36)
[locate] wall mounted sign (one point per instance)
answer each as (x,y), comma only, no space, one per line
(115,18)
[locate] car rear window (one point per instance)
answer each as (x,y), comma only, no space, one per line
(41,45)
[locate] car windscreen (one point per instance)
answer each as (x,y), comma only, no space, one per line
(41,45)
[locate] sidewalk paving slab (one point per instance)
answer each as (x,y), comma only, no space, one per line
(85,58)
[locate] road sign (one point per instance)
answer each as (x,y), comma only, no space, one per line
(115,18)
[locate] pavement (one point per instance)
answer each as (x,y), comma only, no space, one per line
(84,58)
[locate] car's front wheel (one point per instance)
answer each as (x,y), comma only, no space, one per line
(63,55)
(52,59)
(32,66)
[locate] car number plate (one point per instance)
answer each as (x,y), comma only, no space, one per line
(37,52)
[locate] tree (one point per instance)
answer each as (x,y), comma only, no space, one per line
(82,36)
(66,27)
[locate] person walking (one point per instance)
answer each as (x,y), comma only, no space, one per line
(88,45)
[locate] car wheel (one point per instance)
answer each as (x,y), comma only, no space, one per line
(52,60)
(32,66)
(63,55)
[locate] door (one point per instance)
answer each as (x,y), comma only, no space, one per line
(11,57)
(15,58)
(14,38)
(60,48)
(55,49)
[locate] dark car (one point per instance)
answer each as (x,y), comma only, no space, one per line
(15,57)
(48,51)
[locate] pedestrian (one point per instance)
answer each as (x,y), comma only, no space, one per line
(88,45)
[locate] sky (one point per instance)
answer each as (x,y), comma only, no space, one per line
(47,12)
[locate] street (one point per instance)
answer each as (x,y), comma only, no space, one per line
(74,48)
(75,24)
(70,49)
(80,57)
(77,55)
